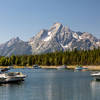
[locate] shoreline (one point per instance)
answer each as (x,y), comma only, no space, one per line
(90,67)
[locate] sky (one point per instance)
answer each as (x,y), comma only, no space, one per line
(25,18)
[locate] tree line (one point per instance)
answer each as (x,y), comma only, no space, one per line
(75,57)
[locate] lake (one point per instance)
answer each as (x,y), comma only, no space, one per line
(52,84)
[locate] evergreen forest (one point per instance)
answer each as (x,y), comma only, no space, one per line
(75,57)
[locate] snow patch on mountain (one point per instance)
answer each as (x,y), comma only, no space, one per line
(75,35)
(80,37)
(64,46)
(48,37)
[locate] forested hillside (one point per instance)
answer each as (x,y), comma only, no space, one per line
(75,57)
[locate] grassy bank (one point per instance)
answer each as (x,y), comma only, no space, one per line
(16,67)
(91,68)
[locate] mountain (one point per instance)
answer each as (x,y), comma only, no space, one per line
(15,46)
(60,37)
(57,38)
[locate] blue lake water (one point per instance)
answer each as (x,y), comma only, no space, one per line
(52,85)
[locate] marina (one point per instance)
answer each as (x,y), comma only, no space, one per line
(52,84)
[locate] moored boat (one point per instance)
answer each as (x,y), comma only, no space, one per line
(4,70)
(80,68)
(96,75)
(6,76)
(36,67)
(11,77)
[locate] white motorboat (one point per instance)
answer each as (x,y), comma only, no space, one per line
(11,77)
(79,68)
(96,75)
(36,67)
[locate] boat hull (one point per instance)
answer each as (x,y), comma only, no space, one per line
(11,80)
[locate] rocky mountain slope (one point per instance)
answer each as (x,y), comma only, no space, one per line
(15,46)
(60,37)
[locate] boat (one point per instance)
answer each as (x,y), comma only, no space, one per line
(11,77)
(6,77)
(36,67)
(5,69)
(80,68)
(96,75)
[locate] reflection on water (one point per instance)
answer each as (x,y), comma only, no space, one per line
(52,85)
(95,86)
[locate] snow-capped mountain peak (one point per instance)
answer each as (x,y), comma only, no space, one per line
(60,37)
(56,38)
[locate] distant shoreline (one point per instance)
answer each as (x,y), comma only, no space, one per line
(90,67)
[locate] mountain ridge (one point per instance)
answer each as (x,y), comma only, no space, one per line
(56,38)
